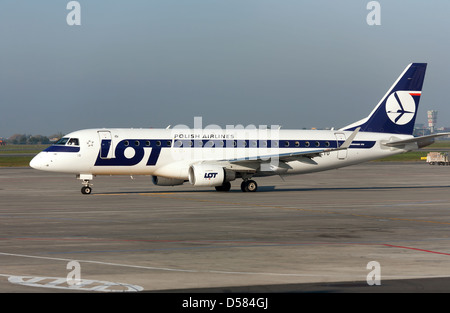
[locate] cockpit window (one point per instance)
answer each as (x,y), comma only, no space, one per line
(73,142)
(62,141)
(65,141)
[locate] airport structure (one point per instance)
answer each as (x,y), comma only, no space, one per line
(422,129)
(432,119)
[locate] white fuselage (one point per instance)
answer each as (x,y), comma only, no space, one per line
(170,152)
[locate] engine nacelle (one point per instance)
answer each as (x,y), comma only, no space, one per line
(165,181)
(209,175)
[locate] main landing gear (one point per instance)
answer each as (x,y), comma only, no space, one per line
(247,185)
(224,187)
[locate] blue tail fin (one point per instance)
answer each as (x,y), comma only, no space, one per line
(397,110)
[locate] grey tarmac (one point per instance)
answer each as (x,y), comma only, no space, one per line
(306,233)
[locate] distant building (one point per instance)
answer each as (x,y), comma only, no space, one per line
(432,119)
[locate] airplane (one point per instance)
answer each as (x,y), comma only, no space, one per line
(216,157)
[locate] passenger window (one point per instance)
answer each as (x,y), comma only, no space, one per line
(73,142)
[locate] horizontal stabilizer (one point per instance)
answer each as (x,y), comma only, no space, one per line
(422,141)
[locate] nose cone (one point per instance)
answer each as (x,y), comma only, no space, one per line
(39,162)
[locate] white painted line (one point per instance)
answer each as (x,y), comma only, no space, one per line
(97,262)
(199,271)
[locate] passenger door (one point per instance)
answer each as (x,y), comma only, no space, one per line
(106,147)
(340,138)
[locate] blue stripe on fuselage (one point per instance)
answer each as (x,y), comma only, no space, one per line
(62,149)
(138,145)
(269,144)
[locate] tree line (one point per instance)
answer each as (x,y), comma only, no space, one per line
(24,139)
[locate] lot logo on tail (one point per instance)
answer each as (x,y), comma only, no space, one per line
(401,107)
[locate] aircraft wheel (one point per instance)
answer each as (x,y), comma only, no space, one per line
(252,186)
(86,190)
(244,186)
(249,185)
(224,187)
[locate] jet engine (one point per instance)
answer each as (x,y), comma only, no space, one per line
(209,175)
(165,181)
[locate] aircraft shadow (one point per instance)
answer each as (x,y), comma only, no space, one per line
(418,285)
(273,189)
(354,188)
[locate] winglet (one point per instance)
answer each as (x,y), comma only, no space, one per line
(349,140)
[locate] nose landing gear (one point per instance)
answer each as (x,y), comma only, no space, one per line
(86,190)
(86,181)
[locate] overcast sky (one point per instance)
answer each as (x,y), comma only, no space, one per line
(151,63)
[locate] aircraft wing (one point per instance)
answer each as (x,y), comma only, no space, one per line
(254,162)
(421,141)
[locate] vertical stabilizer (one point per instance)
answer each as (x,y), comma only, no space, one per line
(396,112)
